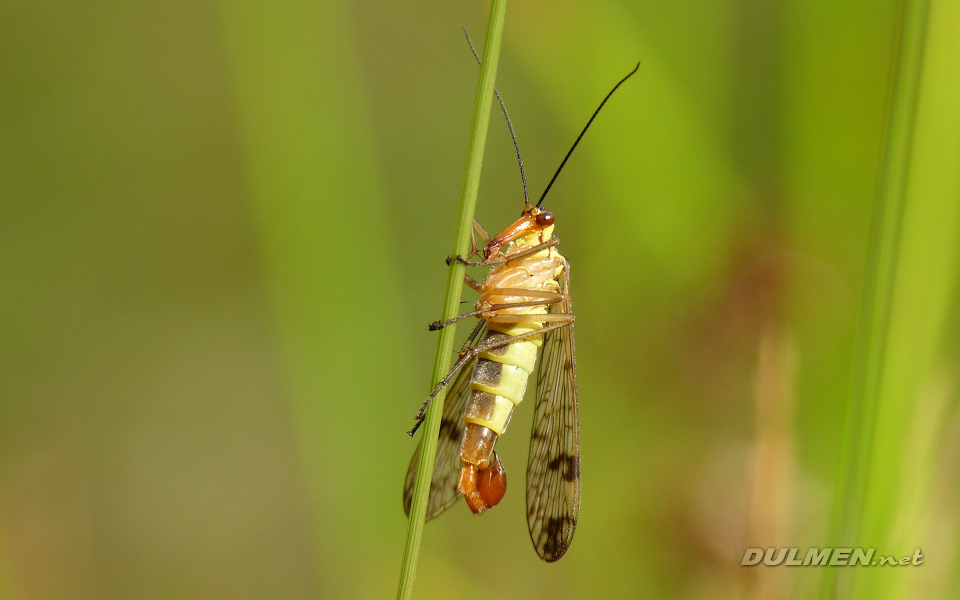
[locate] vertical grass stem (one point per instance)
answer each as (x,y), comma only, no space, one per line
(451,300)
(883,256)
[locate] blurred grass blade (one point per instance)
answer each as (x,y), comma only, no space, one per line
(313,184)
(451,299)
(911,279)
(884,240)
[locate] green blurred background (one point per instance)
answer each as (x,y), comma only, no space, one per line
(222,233)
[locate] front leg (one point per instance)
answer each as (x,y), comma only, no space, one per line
(484,237)
(546,299)
(483,263)
(499,259)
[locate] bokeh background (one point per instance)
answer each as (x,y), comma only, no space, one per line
(222,233)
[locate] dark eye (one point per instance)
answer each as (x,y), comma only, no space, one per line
(545,218)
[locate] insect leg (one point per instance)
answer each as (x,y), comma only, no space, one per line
(463,351)
(481,231)
(473,284)
(465,357)
(500,259)
(473,335)
(553,296)
(560,318)
(475,249)
(484,237)
(532,250)
(488,344)
(548,298)
(482,263)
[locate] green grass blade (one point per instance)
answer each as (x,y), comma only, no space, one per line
(451,300)
(858,434)
(911,280)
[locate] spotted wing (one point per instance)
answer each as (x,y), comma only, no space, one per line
(553,467)
(446,465)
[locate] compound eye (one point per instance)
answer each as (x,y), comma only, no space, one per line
(545,218)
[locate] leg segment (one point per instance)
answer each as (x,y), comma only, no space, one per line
(532,250)
(548,298)
(468,354)
(481,232)
(500,258)
(473,284)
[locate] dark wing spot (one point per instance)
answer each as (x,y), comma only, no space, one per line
(569,464)
(451,428)
(554,546)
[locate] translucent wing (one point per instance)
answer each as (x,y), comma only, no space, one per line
(553,468)
(446,465)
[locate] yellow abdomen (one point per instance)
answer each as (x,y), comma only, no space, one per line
(500,377)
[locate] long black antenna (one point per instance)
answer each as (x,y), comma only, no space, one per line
(516,146)
(595,113)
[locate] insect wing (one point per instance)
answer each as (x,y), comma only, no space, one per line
(446,465)
(553,467)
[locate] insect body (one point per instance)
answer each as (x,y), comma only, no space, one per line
(524,307)
(516,296)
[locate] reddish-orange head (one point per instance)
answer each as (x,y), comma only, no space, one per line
(532,220)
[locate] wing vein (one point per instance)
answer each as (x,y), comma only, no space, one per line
(553,468)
